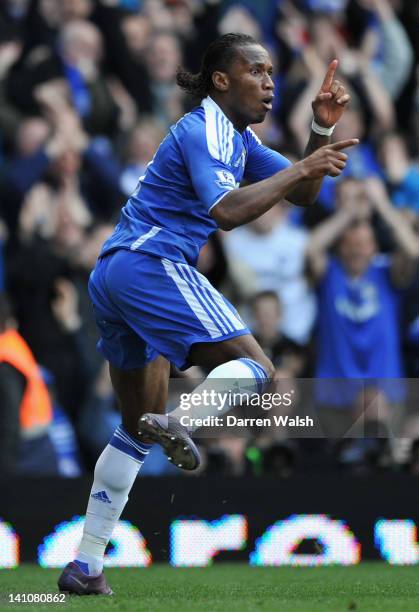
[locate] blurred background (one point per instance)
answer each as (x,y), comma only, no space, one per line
(87,92)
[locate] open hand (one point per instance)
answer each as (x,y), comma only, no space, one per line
(332,99)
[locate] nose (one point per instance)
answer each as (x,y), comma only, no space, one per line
(268,83)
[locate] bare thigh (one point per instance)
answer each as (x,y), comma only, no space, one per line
(209,355)
(141,390)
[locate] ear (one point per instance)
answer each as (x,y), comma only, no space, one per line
(220,80)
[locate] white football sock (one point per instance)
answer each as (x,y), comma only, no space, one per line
(115,473)
(238,376)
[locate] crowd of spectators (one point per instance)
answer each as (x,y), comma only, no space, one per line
(87,92)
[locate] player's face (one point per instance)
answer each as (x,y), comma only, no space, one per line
(251,86)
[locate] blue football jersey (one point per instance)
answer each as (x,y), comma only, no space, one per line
(358,334)
(202,158)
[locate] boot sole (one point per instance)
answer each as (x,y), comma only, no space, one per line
(179,451)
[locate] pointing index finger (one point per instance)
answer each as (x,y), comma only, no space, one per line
(344,144)
(328,79)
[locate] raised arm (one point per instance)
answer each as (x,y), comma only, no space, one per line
(404,261)
(396,52)
(328,107)
(404,236)
(323,237)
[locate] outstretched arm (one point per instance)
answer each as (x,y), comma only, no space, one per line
(243,205)
(404,260)
(328,107)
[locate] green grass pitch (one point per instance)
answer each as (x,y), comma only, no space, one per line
(232,587)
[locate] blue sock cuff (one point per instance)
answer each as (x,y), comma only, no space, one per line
(258,371)
(83,566)
(122,440)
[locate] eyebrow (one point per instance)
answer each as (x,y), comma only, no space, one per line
(261,65)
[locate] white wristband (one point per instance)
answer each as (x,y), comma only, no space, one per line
(322,131)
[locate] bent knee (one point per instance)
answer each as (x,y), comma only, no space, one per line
(268,366)
(265,364)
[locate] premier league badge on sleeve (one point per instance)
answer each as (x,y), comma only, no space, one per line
(225,179)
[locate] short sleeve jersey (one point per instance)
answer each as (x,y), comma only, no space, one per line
(202,158)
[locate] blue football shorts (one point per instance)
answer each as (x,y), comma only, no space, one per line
(146,306)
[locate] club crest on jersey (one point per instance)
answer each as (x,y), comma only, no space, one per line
(225,179)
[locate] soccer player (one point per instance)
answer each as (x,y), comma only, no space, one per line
(152,306)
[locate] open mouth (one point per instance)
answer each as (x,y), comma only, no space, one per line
(267,103)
